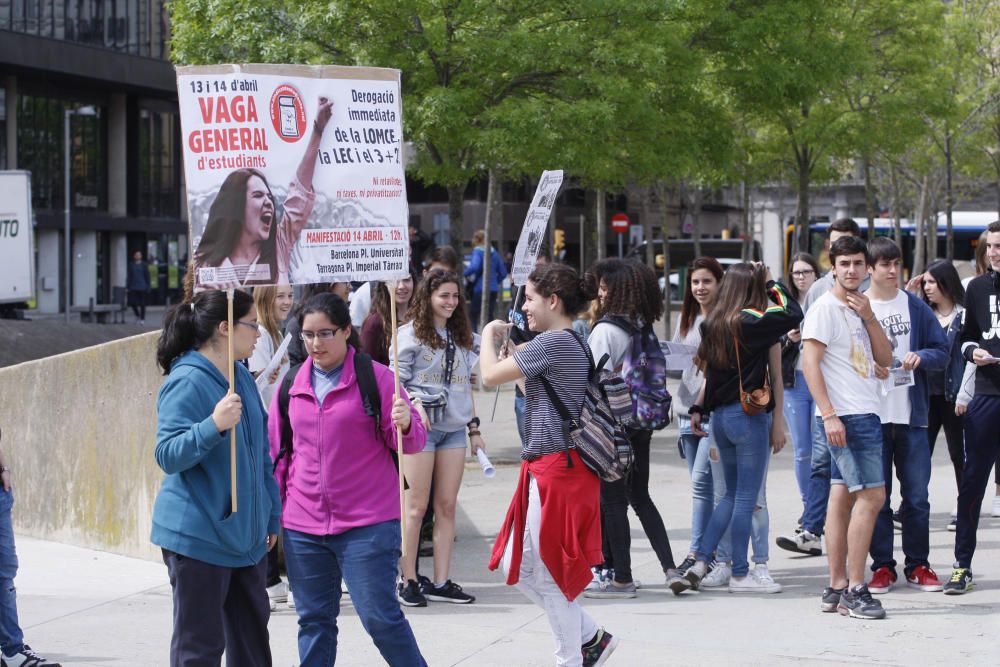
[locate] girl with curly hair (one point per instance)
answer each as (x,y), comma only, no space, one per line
(437,352)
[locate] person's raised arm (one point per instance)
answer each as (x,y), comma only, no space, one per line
(881,347)
(496,371)
(307,166)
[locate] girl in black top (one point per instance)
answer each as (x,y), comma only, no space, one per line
(736,339)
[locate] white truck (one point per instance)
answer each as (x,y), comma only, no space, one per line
(17,243)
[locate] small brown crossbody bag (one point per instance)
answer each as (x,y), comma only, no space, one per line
(756,401)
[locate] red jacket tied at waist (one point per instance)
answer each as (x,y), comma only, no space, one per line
(570,534)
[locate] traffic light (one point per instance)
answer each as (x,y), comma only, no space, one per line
(560,241)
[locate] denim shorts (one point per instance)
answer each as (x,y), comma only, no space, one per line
(859,465)
(444,440)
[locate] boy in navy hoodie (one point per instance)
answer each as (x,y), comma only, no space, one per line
(918,346)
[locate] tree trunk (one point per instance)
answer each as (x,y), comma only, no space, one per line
(802,215)
(663,195)
(747,232)
(896,227)
(493,212)
(601,220)
(920,252)
(647,227)
(456,203)
(697,198)
(948,203)
(869,198)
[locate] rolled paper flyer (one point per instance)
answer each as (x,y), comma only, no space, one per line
(484,463)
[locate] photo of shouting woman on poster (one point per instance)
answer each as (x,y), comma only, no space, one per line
(244,242)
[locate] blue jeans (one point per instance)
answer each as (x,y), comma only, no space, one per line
(760,526)
(702,502)
(742,441)
(11,638)
(814,516)
(909,449)
(366,558)
(799,412)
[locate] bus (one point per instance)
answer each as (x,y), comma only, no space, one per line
(967,226)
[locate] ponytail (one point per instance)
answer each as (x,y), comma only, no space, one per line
(189,324)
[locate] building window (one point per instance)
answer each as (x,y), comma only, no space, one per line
(40,150)
(140,27)
(159,166)
(3,124)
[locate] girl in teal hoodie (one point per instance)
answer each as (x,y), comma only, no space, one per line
(215,557)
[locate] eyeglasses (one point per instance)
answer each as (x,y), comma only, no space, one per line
(322,334)
(802,274)
(252,325)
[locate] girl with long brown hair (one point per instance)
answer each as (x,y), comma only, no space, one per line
(738,336)
(437,352)
(274,303)
(701,287)
(376,332)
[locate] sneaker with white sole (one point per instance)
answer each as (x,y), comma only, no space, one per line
(611,591)
(751,584)
(451,592)
(718,577)
(996,506)
(762,574)
(26,658)
(599,577)
(291,600)
(277,593)
(599,649)
(802,542)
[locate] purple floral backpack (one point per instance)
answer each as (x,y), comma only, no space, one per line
(645,372)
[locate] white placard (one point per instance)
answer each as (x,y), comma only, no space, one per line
(294,174)
(274,362)
(535,225)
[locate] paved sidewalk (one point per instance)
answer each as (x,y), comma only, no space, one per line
(92,608)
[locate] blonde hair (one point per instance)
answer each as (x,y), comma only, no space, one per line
(263,298)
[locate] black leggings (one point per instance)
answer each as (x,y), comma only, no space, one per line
(942,414)
(615,499)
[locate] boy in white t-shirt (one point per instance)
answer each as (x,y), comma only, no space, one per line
(918,346)
(842,343)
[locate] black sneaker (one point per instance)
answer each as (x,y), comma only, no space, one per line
(409,595)
(599,649)
(424,584)
(960,582)
(857,602)
(831,599)
(26,658)
(450,592)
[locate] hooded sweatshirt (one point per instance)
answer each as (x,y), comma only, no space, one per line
(191,515)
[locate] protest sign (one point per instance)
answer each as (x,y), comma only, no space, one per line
(535,225)
(294,174)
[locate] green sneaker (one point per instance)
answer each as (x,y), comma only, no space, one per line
(960,582)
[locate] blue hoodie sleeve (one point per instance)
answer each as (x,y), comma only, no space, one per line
(184,436)
(475,263)
(933,351)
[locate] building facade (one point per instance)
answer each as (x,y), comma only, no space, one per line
(106,62)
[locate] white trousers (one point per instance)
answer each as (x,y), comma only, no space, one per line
(571,625)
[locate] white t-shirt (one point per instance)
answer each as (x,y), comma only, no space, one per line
(894,316)
(848,366)
(361,304)
(612,340)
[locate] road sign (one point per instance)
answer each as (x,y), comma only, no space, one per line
(619,223)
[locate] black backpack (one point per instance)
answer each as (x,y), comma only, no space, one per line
(369,396)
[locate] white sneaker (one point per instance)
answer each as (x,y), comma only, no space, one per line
(718,577)
(996,506)
(802,542)
(763,575)
(291,600)
(277,593)
(599,579)
(751,584)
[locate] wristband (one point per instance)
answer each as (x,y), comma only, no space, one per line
(871,319)
(968,353)
(473,433)
(829,413)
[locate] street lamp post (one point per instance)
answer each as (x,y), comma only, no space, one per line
(67,260)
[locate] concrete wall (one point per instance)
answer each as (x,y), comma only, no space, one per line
(79,431)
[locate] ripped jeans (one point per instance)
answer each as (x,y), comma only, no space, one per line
(11,638)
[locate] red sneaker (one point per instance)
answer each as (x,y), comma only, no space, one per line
(882,581)
(924,578)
